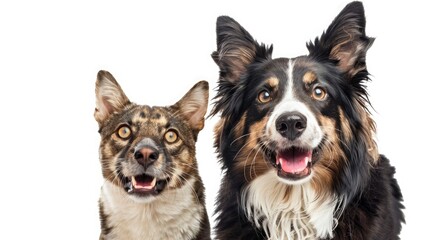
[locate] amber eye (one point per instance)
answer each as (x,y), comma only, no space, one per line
(171,136)
(124,132)
(319,93)
(264,96)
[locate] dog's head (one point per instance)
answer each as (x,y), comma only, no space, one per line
(143,149)
(302,117)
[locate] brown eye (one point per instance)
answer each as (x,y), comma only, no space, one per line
(124,132)
(171,136)
(264,96)
(319,93)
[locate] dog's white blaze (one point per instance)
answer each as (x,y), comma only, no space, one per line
(312,135)
(289,85)
(303,216)
(172,215)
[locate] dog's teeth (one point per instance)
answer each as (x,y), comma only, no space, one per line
(133,180)
(152,184)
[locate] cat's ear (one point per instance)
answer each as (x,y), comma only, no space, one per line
(110,98)
(193,106)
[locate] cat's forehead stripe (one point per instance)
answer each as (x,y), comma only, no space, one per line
(146,114)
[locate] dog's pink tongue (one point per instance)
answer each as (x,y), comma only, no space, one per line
(293,160)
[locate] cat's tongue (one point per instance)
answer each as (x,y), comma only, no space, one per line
(293,160)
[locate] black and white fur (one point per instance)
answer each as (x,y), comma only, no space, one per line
(295,139)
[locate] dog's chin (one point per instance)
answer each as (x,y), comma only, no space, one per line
(144,187)
(293,165)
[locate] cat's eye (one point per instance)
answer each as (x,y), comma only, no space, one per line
(124,132)
(171,136)
(319,93)
(264,96)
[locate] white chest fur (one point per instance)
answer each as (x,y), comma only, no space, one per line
(302,216)
(172,215)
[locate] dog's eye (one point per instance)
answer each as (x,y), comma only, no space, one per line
(264,96)
(124,132)
(319,93)
(171,136)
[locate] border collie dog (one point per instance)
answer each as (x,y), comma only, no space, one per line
(295,139)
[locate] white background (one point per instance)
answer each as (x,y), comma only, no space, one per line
(50,53)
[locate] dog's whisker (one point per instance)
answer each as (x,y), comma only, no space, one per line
(242,136)
(317,143)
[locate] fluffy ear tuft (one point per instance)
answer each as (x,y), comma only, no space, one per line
(345,41)
(109,96)
(193,106)
(236,49)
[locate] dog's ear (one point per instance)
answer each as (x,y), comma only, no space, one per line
(109,96)
(345,41)
(193,106)
(236,50)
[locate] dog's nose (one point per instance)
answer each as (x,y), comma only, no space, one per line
(146,156)
(291,125)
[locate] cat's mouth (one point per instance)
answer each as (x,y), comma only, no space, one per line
(144,185)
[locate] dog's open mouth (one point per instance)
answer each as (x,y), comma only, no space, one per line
(144,184)
(294,163)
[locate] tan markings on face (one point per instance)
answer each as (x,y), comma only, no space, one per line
(108,163)
(185,166)
(250,159)
(309,77)
(150,122)
(345,125)
(369,130)
(156,117)
(137,118)
(239,128)
(330,158)
(162,121)
(273,82)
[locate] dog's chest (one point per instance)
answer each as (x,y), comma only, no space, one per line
(301,215)
(175,216)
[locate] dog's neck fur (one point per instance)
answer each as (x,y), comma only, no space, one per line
(303,215)
(172,215)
